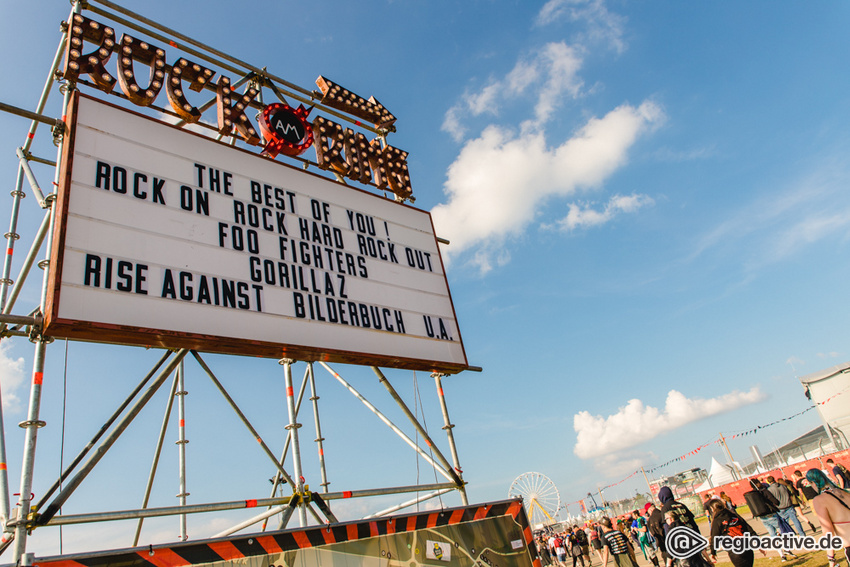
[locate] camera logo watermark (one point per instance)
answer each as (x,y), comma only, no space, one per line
(683,542)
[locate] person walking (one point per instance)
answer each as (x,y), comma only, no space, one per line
(728,501)
(701,559)
(681,512)
(616,545)
(640,528)
(786,504)
(556,549)
(796,502)
(596,540)
(581,535)
(832,508)
(575,547)
(805,488)
(560,549)
(842,475)
(764,506)
(625,529)
(543,551)
(726,522)
(655,525)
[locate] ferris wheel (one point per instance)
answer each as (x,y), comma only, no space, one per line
(540,496)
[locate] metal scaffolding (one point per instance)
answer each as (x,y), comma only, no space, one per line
(20,520)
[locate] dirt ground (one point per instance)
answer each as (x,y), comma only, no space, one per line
(803,559)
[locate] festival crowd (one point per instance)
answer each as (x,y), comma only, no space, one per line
(777,503)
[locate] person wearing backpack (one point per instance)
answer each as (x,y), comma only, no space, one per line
(640,527)
(726,522)
(581,536)
(842,475)
(764,506)
(573,542)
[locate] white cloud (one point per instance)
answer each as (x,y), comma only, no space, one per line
(11,377)
(505,174)
(562,64)
(785,222)
(584,216)
(551,73)
(552,11)
(452,124)
(484,101)
(600,24)
(500,180)
(635,423)
(521,76)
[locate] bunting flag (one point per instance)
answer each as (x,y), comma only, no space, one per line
(716,441)
(757,428)
(808,409)
(620,481)
(685,456)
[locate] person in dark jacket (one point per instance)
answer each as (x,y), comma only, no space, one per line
(764,506)
(700,559)
(674,513)
(574,543)
(726,522)
(655,524)
(681,512)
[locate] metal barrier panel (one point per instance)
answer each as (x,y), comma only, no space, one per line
(493,535)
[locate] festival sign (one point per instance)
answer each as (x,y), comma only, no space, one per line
(340,150)
(169,238)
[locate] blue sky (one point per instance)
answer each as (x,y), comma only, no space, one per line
(648,213)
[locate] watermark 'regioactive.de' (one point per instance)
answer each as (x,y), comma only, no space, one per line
(683,542)
(740,544)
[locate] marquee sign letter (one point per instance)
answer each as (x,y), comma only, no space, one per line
(230,117)
(197,76)
(76,64)
(133,49)
(389,165)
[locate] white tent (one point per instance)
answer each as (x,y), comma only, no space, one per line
(719,474)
